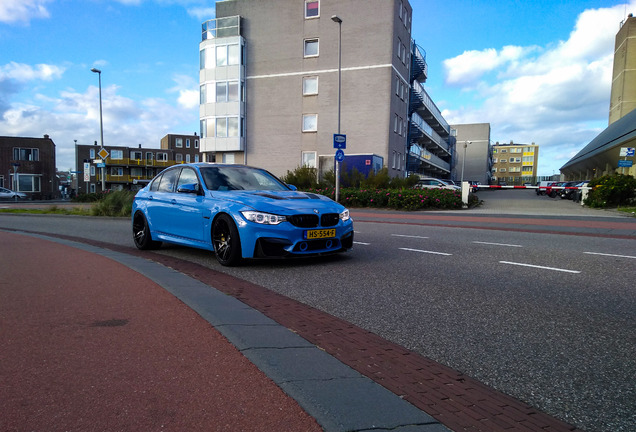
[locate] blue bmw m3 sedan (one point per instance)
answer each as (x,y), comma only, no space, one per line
(237,212)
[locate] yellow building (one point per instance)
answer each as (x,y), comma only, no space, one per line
(515,164)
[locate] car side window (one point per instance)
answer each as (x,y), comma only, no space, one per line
(188,176)
(168,181)
(155,183)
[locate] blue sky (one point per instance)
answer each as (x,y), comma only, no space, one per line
(537,71)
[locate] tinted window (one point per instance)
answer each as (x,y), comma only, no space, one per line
(226,178)
(168,181)
(188,176)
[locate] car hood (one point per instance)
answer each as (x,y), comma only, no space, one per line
(282,202)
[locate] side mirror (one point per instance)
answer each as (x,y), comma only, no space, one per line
(292,187)
(192,188)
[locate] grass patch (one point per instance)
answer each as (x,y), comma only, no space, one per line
(76,211)
(628,210)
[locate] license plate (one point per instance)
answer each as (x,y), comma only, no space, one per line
(319,234)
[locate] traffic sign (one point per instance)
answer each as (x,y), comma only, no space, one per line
(340,155)
(339,141)
(103,153)
(627,152)
(625,163)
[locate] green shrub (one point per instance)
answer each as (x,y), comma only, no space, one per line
(115,204)
(302,177)
(611,191)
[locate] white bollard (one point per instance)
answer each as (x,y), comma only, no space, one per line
(465,191)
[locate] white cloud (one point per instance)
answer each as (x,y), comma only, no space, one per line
(22,10)
(21,72)
(556,96)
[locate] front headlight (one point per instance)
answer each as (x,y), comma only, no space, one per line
(344,216)
(263,218)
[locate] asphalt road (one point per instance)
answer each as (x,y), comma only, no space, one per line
(547,318)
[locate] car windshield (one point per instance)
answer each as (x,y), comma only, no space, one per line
(226,178)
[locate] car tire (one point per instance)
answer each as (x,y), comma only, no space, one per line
(226,241)
(141,233)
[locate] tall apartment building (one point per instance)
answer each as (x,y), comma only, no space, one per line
(269,76)
(623,96)
(515,164)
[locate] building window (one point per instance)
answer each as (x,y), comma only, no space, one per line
(117,154)
(26,154)
(116,171)
(196,158)
(187,142)
(28,183)
(311,48)
(310,122)
(187,158)
(92,170)
(178,142)
(227,91)
(92,153)
(196,144)
(309,159)
(178,158)
(221,127)
(228,158)
(312,8)
(93,188)
(502,170)
(394,160)
(136,155)
(136,172)
(162,157)
(310,85)
(503,160)
(149,156)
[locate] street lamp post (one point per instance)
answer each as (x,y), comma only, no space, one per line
(337,19)
(464,160)
(101,125)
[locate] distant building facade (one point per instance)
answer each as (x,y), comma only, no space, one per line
(515,164)
(275,104)
(130,168)
(623,94)
(28,165)
(474,153)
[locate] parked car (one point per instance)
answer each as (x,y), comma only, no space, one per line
(433,183)
(542,187)
(474,185)
(9,194)
(237,212)
(567,193)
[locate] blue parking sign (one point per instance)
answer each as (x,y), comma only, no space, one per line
(339,141)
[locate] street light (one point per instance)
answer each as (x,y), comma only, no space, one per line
(464,160)
(101,124)
(337,19)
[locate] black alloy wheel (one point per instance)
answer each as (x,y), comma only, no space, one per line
(141,233)
(225,238)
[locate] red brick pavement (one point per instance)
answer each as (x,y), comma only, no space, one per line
(102,348)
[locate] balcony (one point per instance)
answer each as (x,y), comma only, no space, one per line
(422,104)
(424,162)
(140,162)
(422,133)
(221,27)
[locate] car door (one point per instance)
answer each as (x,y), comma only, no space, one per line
(160,202)
(188,209)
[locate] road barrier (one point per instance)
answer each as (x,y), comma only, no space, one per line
(467,187)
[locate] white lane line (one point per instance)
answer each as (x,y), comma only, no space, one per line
(610,255)
(408,236)
(425,251)
(497,244)
(540,267)
(360,243)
